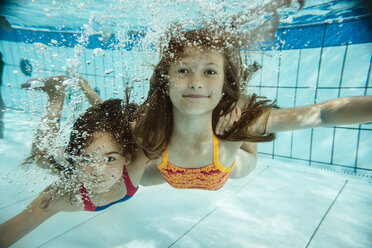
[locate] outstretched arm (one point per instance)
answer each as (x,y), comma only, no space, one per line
(340,111)
(22,224)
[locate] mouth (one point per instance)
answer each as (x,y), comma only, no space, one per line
(195,96)
(98,181)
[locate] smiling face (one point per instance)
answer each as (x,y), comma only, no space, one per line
(101,164)
(196,81)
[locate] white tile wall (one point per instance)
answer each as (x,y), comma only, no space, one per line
(322,144)
(51,61)
(270,68)
(288,68)
(357,65)
(301,144)
(283,144)
(364,151)
(331,66)
(308,71)
(345,145)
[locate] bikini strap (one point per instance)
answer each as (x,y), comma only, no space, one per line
(131,190)
(216,159)
(164,160)
(88,204)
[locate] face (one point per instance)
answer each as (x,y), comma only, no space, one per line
(101,164)
(196,81)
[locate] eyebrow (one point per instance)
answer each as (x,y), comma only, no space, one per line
(187,63)
(211,64)
(109,153)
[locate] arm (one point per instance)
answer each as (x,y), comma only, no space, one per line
(117,192)
(22,224)
(245,160)
(48,128)
(340,111)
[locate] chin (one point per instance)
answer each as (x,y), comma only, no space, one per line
(197,110)
(101,190)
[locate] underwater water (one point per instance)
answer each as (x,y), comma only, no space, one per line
(311,188)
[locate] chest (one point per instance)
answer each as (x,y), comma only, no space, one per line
(202,154)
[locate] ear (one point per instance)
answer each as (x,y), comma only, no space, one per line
(127,159)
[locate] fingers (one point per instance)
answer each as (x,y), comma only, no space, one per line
(238,113)
(227,121)
(220,125)
(32,83)
(224,124)
(50,187)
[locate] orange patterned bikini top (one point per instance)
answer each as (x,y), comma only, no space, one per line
(210,177)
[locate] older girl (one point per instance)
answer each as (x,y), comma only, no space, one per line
(199,76)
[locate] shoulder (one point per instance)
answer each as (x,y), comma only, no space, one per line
(228,145)
(227,151)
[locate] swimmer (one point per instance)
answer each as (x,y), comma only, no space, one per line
(200,75)
(103,165)
(97,160)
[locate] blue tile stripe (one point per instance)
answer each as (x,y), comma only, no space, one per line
(352,30)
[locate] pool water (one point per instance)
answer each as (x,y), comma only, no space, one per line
(311,188)
(281,204)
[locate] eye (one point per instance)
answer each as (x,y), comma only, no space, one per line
(210,72)
(110,159)
(86,159)
(182,70)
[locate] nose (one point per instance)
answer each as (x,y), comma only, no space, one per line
(195,81)
(96,169)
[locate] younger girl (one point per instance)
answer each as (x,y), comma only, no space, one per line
(97,166)
(199,76)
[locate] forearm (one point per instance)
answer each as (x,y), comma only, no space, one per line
(91,95)
(340,111)
(346,111)
(22,224)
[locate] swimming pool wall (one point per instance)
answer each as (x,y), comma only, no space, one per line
(311,63)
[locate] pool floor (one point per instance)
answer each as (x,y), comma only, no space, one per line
(280,204)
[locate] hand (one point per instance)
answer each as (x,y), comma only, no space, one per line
(53,86)
(227,121)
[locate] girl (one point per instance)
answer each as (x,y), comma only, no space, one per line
(199,76)
(97,165)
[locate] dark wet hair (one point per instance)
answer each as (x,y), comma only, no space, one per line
(111,116)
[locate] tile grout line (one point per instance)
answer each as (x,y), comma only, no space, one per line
(234,193)
(81,223)
(326,213)
(19,201)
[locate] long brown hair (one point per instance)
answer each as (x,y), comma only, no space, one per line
(154,119)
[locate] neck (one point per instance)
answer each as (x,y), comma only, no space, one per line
(192,128)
